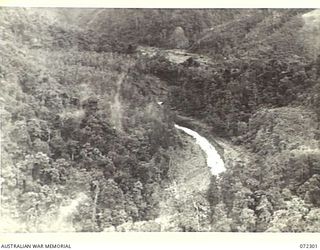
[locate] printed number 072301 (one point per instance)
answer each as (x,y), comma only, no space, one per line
(308,246)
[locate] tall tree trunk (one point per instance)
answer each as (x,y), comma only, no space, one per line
(94,208)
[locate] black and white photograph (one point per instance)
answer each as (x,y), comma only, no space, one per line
(159,120)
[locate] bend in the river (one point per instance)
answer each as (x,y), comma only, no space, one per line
(214,161)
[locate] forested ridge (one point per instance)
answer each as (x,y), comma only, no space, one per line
(87,147)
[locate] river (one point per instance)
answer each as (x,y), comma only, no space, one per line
(214,161)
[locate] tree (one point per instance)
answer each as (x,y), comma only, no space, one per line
(310,190)
(264,212)
(247,221)
(178,39)
(291,218)
(220,220)
(214,195)
(313,221)
(243,217)
(41,146)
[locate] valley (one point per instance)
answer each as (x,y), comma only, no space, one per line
(110,119)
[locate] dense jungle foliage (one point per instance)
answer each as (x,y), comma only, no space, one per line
(86,147)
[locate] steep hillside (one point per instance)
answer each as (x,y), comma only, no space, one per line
(88,110)
(76,122)
(258,33)
(117,28)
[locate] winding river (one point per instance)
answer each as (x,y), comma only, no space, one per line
(214,161)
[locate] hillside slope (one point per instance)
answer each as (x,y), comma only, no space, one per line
(62,136)
(85,142)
